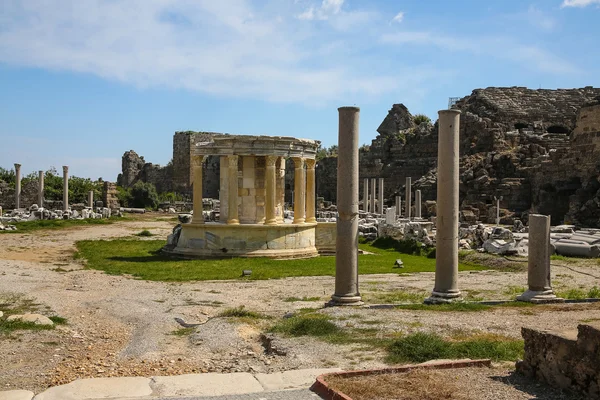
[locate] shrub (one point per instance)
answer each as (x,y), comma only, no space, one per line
(143,195)
(421,118)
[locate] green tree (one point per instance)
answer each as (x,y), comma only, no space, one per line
(143,195)
(422,118)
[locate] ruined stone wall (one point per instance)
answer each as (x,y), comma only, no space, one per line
(567,360)
(109,196)
(29,194)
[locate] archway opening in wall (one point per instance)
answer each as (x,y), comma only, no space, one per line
(558,129)
(521,125)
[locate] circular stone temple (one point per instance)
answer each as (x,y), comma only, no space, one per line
(252,189)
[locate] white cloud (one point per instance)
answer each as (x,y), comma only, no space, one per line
(399,17)
(578,3)
(497,47)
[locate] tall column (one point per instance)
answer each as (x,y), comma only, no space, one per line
(41,189)
(380,197)
(198,217)
(18,186)
(398,206)
(446,262)
(346,259)
(418,204)
(310,191)
(373,191)
(299,190)
(538,274)
(91,199)
(497,212)
(408,200)
(65,188)
(232,207)
(366,195)
(270,186)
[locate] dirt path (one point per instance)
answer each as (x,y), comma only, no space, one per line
(121,326)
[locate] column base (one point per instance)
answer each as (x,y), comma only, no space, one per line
(344,301)
(443,297)
(298,221)
(540,297)
(233,222)
(311,221)
(271,222)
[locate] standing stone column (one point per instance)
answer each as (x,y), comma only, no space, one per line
(91,199)
(380,199)
(408,194)
(41,189)
(346,259)
(198,217)
(398,206)
(373,191)
(65,188)
(418,204)
(18,186)
(446,262)
(538,273)
(310,191)
(366,195)
(270,186)
(299,190)
(232,195)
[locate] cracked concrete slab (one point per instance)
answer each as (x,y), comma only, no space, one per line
(99,388)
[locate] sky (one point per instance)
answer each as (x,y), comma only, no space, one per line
(83,81)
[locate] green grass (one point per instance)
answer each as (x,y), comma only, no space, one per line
(183,331)
(458,306)
(295,299)
(145,233)
(308,325)
(58,320)
(580,294)
(396,297)
(30,226)
(421,347)
(240,312)
(142,259)
(7,327)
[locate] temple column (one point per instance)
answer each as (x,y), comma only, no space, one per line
(366,195)
(41,189)
(299,190)
(446,261)
(270,189)
(18,186)
(380,199)
(232,205)
(538,273)
(65,188)
(91,199)
(398,206)
(408,200)
(373,191)
(417,204)
(198,217)
(346,255)
(310,191)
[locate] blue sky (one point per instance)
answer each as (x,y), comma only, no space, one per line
(82,81)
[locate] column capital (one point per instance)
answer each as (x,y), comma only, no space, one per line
(17,166)
(65,169)
(299,162)
(310,163)
(198,161)
(232,160)
(271,160)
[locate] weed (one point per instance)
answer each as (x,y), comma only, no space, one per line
(145,233)
(307,325)
(594,293)
(58,320)
(514,290)
(399,297)
(572,294)
(182,332)
(239,312)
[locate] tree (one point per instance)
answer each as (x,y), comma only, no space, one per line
(143,195)
(422,118)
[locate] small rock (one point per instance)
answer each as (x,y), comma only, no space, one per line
(36,319)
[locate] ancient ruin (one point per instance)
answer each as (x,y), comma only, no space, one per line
(251,221)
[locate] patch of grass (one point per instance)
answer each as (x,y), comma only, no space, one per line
(145,233)
(142,259)
(421,347)
(399,296)
(182,332)
(572,294)
(58,320)
(295,299)
(7,327)
(588,320)
(458,306)
(594,293)
(307,325)
(513,291)
(30,226)
(240,312)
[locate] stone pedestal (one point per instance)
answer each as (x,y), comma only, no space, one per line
(346,260)
(408,198)
(380,197)
(65,188)
(390,216)
(538,273)
(41,189)
(418,204)
(310,191)
(18,186)
(446,263)
(366,195)
(373,191)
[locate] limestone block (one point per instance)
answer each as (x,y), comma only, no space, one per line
(36,319)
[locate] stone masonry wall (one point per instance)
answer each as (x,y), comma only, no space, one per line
(567,360)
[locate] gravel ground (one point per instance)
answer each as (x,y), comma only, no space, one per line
(120,326)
